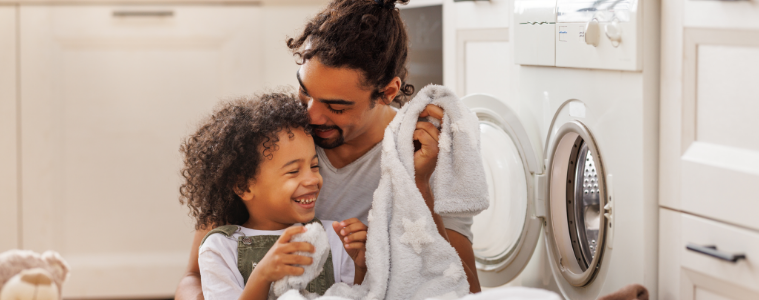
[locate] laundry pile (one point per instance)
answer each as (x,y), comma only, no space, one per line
(406,256)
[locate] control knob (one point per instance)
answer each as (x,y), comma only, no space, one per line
(592,33)
(614,33)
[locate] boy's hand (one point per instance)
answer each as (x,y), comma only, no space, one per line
(279,261)
(353,235)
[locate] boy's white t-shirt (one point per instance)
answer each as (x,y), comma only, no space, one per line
(217,258)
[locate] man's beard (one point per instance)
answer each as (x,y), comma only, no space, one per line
(324,143)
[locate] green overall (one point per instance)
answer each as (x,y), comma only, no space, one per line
(251,249)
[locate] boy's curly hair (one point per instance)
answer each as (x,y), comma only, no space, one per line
(227,150)
(365,35)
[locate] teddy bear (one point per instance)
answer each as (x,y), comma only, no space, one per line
(26,275)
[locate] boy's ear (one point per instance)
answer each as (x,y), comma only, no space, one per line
(245,195)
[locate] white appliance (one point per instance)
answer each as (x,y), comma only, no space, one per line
(577,159)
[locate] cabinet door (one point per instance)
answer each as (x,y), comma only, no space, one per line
(709,146)
(8,131)
(478,56)
(107,95)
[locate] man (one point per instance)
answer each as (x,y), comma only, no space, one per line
(353,66)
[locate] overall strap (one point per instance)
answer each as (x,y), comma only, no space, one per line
(226,230)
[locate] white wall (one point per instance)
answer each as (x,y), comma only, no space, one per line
(8,130)
(280,22)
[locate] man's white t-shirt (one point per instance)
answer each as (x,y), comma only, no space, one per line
(217,258)
(348,192)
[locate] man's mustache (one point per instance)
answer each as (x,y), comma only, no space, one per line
(325,127)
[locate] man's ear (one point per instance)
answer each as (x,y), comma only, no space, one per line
(391,90)
(247,194)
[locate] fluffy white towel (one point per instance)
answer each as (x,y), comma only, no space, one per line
(510,293)
(315,235)
(459,183)
(405,256)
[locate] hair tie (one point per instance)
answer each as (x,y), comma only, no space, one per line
(388,5)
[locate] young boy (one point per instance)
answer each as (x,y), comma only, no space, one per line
(252,167)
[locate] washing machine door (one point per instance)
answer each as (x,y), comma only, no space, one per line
(578,205)
(506,234)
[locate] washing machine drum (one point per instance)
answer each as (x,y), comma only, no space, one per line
(583,203)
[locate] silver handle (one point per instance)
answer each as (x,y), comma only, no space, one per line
(712,251)
(143,13)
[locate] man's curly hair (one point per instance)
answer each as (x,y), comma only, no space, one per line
(227,150)
(365,35)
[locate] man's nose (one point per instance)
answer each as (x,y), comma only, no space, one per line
(316,113)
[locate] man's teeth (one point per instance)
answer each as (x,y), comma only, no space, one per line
(305,201)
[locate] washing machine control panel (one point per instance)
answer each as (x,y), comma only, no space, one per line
(595,34)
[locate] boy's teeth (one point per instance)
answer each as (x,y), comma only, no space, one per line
(305,201)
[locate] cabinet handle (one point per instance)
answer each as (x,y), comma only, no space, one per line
(143,13)
(712,251)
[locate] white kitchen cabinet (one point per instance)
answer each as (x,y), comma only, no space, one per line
(709,151)
(8,131)
(108,92)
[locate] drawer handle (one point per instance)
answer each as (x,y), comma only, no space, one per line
(713,252)
(143,13)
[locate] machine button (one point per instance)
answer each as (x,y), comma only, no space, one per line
(592,33)
(614,33)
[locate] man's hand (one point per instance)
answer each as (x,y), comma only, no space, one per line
(426,139)
(353,235)
(189,286)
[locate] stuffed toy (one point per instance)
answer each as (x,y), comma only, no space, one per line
(25,275)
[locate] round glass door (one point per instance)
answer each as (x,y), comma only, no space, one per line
(507,233)
(498,229)
(577,196)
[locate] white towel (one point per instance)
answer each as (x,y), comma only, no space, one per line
(406,257)
(315,235)
(510,293)
(459,183)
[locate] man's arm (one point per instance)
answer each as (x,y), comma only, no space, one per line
(464,249)
(189,287)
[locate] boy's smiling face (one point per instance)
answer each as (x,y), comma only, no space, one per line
(286,185)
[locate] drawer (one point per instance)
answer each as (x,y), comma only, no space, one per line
(740,14)
(704,276)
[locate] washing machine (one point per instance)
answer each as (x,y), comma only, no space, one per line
(572,169)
